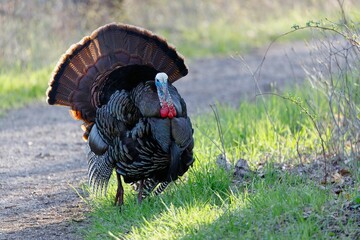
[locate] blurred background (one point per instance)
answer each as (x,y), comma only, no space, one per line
(35,33)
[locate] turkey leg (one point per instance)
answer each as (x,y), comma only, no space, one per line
(119,199)
(141,190)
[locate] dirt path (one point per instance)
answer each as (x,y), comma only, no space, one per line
(42,153)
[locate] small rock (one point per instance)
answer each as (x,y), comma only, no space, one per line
(10,206)
(42,155)
(242,169)
(223,162)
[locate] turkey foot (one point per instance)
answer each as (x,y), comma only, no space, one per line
(119,199)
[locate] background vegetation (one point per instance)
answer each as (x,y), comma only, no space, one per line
(302,148)
(36,33)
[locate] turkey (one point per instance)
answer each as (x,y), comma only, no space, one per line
(118,81)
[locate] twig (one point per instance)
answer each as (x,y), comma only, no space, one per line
(203,133)
(221,134)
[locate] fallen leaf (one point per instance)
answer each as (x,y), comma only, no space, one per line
(337,190)
(344,172)
(337,178)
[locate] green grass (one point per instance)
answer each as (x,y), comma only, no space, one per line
(275,209)
(20,87)
(207,205)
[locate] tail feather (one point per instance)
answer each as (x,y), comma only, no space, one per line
(148,186)
(161,188)
(151,186)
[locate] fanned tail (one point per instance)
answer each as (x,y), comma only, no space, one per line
(113,57)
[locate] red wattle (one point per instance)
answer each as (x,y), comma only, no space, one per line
(172,111)
(164,112)
(167,111)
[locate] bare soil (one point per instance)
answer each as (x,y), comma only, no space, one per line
(42,153)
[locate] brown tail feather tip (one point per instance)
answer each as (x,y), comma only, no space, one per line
(75,114)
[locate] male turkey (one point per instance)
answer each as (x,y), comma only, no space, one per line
(118,81)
